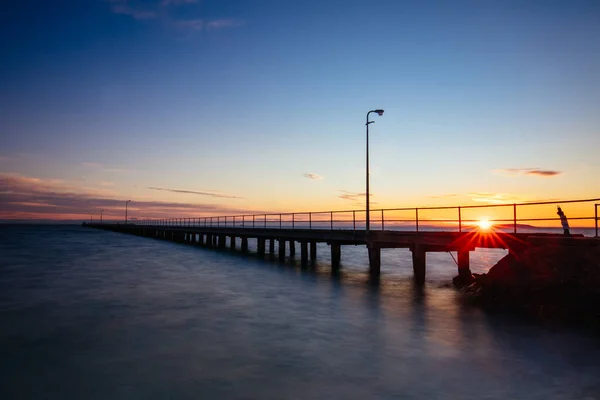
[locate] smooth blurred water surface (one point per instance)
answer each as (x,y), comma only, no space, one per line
(88,314)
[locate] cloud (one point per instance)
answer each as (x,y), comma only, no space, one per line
(202,24)
(357,198)
(98,166)
(314,177)
(541,172)
(23,197)
(176,2)
(445,196)
(211,194)
(165,10)
(222,23)
(494,198)
(133,9)
(527,171)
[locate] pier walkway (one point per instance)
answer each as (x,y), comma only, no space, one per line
(461,235)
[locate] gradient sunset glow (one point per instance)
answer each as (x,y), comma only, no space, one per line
(204,108)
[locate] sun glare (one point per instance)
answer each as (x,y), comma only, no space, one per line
(484,224)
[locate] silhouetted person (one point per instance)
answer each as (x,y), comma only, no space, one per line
(563,221)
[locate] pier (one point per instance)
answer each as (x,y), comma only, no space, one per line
(304,230)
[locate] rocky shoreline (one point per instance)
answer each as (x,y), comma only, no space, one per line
(556,282)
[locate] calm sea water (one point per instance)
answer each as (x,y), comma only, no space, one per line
(88,314)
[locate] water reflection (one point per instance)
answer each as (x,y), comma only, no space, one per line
(100,315)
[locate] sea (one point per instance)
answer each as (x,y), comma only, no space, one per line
(91,314)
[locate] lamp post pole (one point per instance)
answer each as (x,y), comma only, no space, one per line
(127,202)
(380,113)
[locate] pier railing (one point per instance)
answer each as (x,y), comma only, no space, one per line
(513,217)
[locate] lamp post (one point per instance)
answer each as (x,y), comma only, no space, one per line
(101,211)
(380,112)
(127,202)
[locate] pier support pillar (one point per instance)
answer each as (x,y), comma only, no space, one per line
(419,261)
(303,252)
(232,242)
(336,255)
(374,260)
(244,244)
(281,250)
(464,268)
(209,240)
(260,246)
(313,251)
(222,239)
(271,246)
(292,248)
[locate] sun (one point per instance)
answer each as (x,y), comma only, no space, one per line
(484,224)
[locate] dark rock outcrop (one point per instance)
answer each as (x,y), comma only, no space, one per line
(559,280)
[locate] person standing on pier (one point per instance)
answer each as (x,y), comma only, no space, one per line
(563,221)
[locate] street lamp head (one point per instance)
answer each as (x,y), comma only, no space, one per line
(380,112)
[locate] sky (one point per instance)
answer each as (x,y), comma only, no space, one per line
(193,108)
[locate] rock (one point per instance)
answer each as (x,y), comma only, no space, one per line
(561,280)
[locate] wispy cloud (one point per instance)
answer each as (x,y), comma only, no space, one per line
(98,166)
(544,172)
(357,199)
(527,171)
(352,196)
(204,24)
(445,196)
(494,198)
(177,2)
(134,9)
(211,194)
(314,177)
(23,197)
(166,10)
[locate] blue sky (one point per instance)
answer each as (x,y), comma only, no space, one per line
(242,99)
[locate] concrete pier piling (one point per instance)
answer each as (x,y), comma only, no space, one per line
(272,246)
(281,250)
(419,261)
(336,255)
(374,260)
(313,251)
(303,252)
(292,248)
(260,246)
(464,269)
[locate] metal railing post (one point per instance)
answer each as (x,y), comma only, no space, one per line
(309,220)
(459,220)
(596,215)
(417,219)
(293,222)
(331,219)
(382,221)
(265,221)
(279,221)
(354,220)
(515,217)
